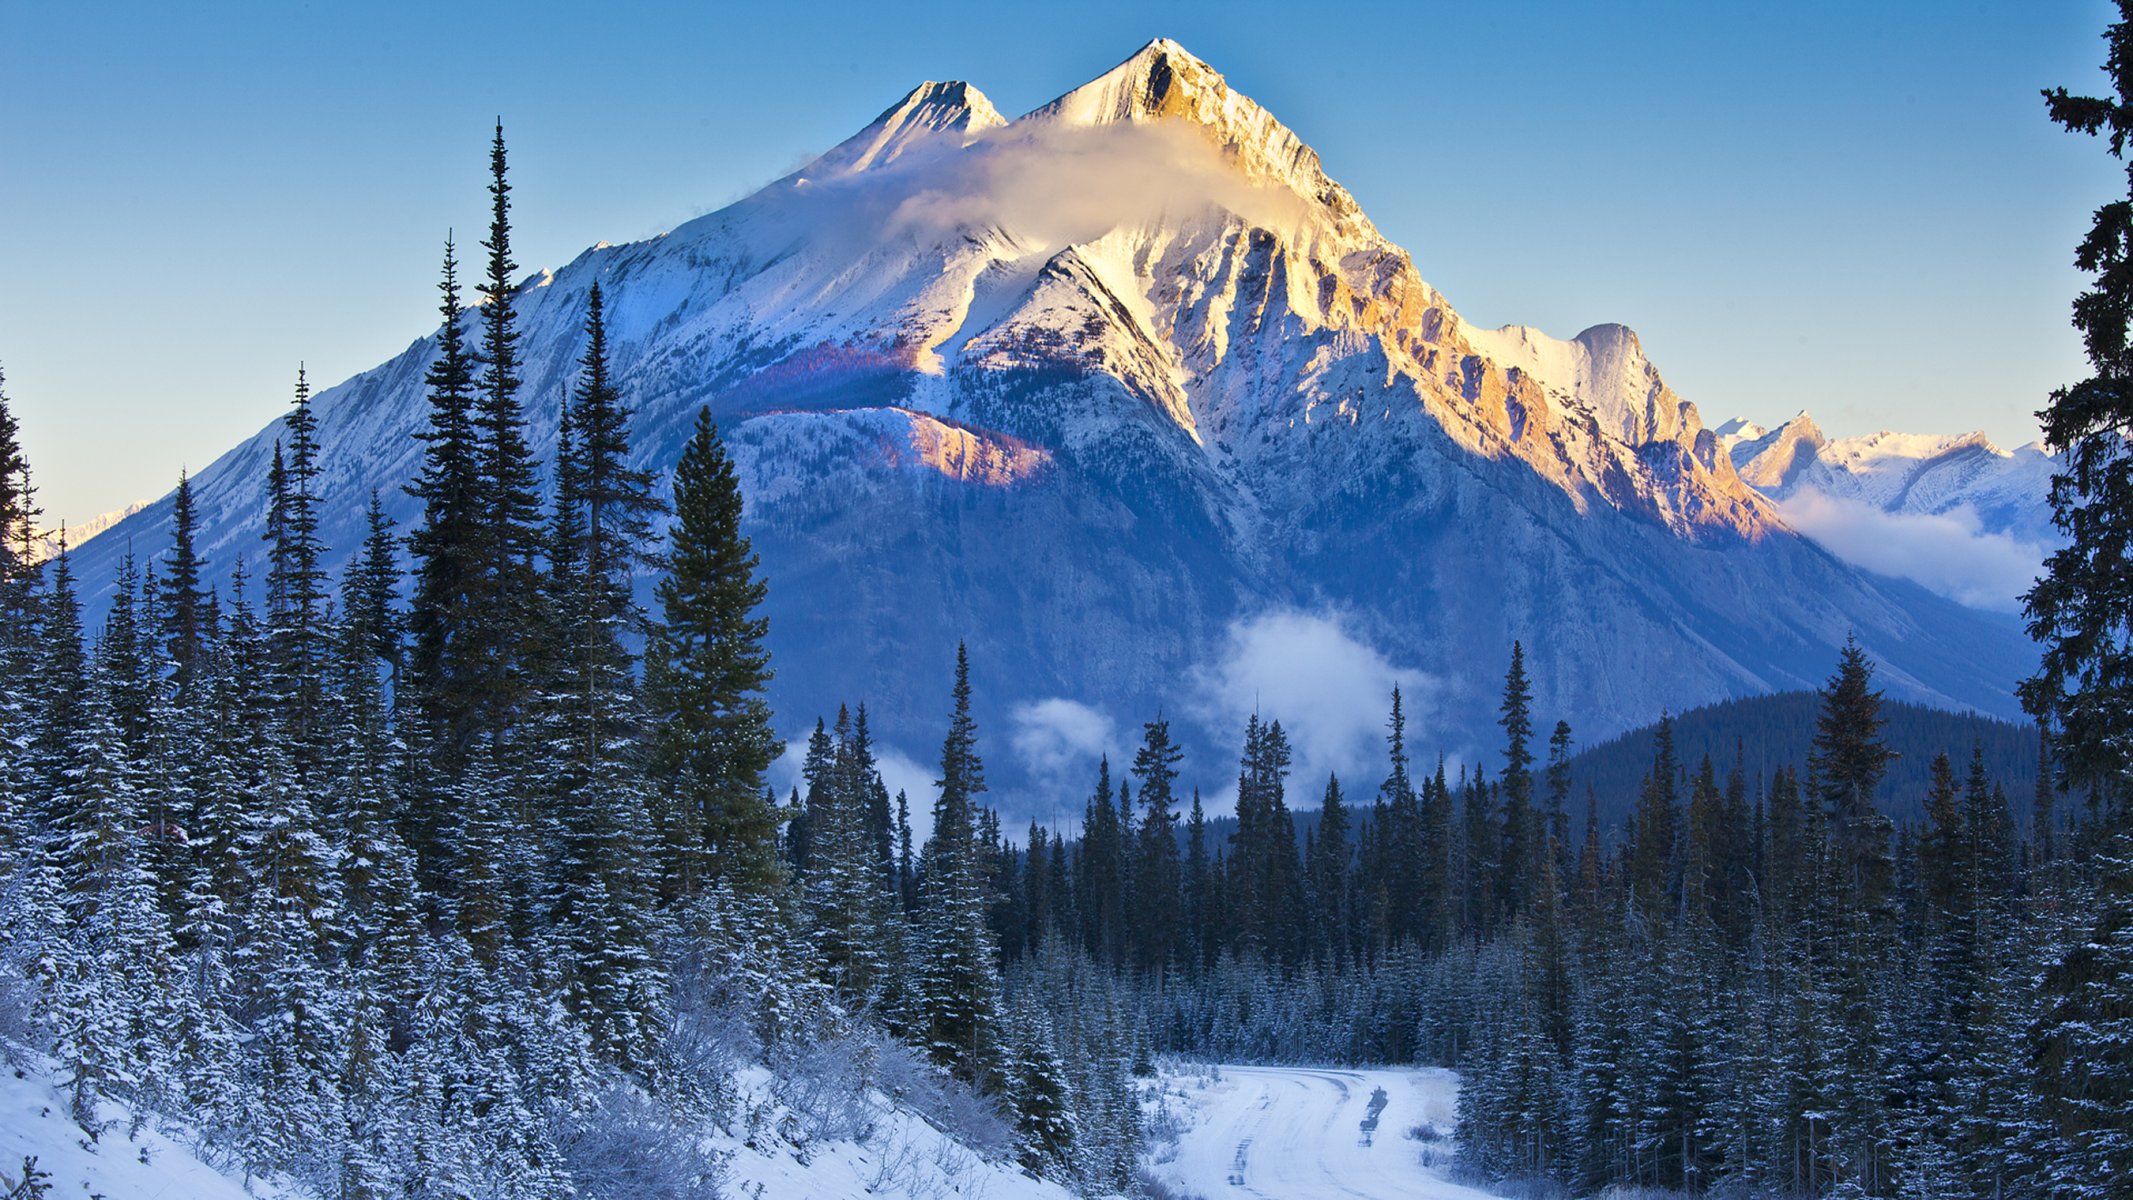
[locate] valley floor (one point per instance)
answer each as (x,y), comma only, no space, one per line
(1297,1133)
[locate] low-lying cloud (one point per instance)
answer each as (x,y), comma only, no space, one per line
(1056,737)
(1061,184)
(1950,553)
(1330,690)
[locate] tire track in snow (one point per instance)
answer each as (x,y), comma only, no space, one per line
(1272,1133)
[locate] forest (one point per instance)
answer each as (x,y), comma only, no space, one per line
(459,875)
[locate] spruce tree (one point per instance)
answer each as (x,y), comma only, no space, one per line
(446,544)
(296,594)
(705,674)
(18,514)
(1850,759)
(507,499)
(605,893)
(958,987)
(1157,881)
(184,622)
(2083,690)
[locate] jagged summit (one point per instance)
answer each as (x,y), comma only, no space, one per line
(1164,81)
(1161,79)
(928,111)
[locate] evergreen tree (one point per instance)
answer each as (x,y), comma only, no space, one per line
(1849,761)
(600,795)
(507,501)
(705,675)
(185,618)
(18,515)
(296,596)
(1518,860)
(446,545)
(1157,875)
(958,987)
(2083,690)
(1328,877)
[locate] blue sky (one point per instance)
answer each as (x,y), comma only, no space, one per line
(1859,210)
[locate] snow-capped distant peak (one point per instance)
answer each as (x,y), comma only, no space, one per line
(930,110)
(1739,429)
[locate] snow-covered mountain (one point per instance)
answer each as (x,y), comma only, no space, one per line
(1953,512)
(1097,387)
(1920,474)
(46,545)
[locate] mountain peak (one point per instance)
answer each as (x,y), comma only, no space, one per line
(1161,79)
(930,110)
(1772,461)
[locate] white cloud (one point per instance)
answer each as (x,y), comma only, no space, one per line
(1330,691)
(1057,737)
(1950,553)
(1062,184)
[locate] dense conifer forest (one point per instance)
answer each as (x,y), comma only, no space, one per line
(459,875)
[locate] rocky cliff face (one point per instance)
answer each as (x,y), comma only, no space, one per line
(1090,387)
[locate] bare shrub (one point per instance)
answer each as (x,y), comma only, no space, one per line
(827,1086)
(626,1147)
(946,1103)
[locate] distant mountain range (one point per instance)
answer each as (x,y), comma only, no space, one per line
(1131,395)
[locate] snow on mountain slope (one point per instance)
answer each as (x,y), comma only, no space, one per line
(1905,473)
(1091,387)
(46,545)
(1952,512)
(128,1158)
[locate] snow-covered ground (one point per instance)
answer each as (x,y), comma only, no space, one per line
(899,1154)
(896,1152)
(145,1163)
(1297,1133)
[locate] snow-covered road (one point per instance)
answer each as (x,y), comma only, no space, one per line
(1296,1133)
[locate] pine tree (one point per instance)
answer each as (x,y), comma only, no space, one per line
(1157,874)
(2083,690)
(507,499)
(296,599)
(1850,760)
(705,676)
(446,545)
(958,988)
(1518,861)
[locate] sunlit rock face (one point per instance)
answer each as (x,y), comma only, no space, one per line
(1088,388)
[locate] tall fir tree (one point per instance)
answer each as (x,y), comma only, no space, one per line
(507,496)
(1156,880)
(446,544)
(2082,692)
(958,984)
(705,676)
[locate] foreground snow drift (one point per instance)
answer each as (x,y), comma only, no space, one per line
(885,1150)
(127,1158)
(1299,1133)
